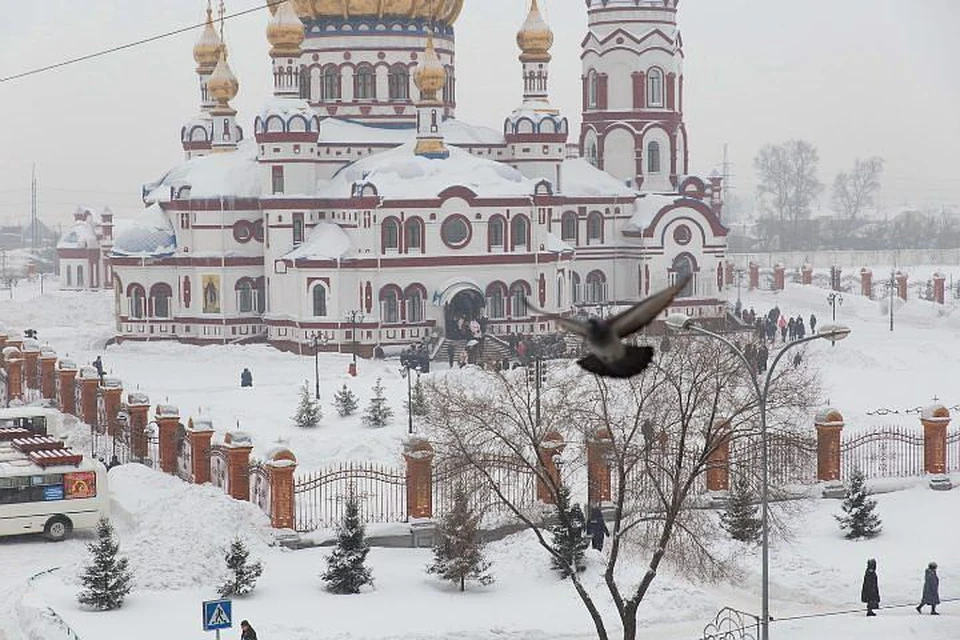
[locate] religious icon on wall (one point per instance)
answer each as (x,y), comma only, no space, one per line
(211,294)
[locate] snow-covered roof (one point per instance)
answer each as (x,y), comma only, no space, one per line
(579,178)
(556,245)
(400,173)
(82,235)
(327,241)
(828,415)
(226,175)
(286,108)
(935,412)
(455,132)
(648,205)
(148,235)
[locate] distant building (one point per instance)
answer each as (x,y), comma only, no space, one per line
(83,251)
(362,210)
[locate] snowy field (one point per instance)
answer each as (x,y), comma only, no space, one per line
(175,552)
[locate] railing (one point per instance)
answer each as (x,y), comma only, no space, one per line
(320,498)
(260,486)
(515,481)
(890,451)
(218,467)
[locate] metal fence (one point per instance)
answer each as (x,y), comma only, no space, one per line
(888,451)
(515,480)
(320,498)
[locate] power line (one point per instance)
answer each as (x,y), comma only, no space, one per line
(130,45)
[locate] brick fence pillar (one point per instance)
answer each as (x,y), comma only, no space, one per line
(551,446)
(939,287)
(238,447)
(829,423)
(200,433)
(112,393)
(935,420)
(138,406)
(866,283)
(901,279)
(31,364)
(89,390)
(4,336)
(728,272)
(168,421)
(13,365)
(48,373)
(718,463)
(418,455)
(66,387)
(779,277)
(806,274)
(281,465)
(754,276)
(598,468)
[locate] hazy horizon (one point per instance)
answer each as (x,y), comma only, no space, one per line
(859,78)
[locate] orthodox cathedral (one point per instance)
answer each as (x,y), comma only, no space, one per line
(359,212)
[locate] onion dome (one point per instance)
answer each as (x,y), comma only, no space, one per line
(443,11)
(285,31)
(535,37)
(207,50)
(223,85)
(429,76)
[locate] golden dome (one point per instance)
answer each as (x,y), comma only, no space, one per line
(429,76)
(535,37)
(443,11)
(285,31)
(223,85)
(207,50)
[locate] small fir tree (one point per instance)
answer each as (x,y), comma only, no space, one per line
(346,569)
(242,575)
(858,519)
(569,541)
(418,400)
(345,401)
(740,518)
(308,410)
(378,414)
(458,554)
(107,578)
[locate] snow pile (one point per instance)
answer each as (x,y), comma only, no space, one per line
(149,234)
(327,241)
(579,178)
(220,175)
(178,532)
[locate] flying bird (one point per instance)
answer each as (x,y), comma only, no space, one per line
(609,356)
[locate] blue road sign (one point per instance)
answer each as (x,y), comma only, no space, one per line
(217,614)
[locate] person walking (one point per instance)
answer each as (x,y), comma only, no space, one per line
(931,590)
(98,365)
(597,528)
(246,378)
(870,591)
(246,631)
(813,323)
(782,324)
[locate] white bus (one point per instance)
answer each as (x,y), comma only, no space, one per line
(41,421)
(49,491)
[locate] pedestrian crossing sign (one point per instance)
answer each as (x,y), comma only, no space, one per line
(217,614)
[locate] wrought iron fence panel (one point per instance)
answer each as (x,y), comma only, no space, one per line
(791,458)
(260,486)
(320,498)
(218,467)
(953,451)
(184,456)
(731,624)
(889,451)
(4,400)
(515,480)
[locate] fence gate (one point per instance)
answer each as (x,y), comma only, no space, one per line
(731,624)
(890,451)
(517,483)
(320,498)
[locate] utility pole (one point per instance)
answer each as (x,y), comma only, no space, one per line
(727,172)
(33,210)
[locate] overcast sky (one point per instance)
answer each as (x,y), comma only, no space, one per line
(854,77)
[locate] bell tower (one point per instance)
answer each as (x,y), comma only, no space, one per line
(633,92)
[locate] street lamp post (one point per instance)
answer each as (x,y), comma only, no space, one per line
(739,273)
(832,332)
(410,361)
(318,341)
(835,299)
(354,317)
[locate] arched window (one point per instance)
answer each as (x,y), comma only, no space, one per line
(497,300)
(260,294)
(595,227)
(79,275)
(518,299)
(655,88)
(69,276)
(413,299)
(520,233)
(592,89)
(136,301)
(568,227)
(575,293)
(592,152)
(413,235)
(365,83)
(683,265)
(596,288)
(319,301)
(389,305)
(495,232)
(330,83)
(246,296)
(160,297)
(560,288)
(399,82)
(390,235)
(653,157)
(450,86)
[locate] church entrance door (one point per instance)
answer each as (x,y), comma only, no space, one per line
(466,306)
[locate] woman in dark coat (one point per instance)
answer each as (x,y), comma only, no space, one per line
(597,528)
(870,591)
(247,632)
(931,590)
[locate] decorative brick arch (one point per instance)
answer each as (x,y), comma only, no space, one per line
(515,288)
(496,220)
(513,229)
(414,224)
(385,224)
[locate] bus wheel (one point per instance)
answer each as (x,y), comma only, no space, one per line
(57,528)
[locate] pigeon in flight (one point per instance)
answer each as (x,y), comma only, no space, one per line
(609,357)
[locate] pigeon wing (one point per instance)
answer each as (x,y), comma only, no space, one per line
(645,311)
(573,326)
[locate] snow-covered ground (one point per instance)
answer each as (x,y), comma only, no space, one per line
(173,531)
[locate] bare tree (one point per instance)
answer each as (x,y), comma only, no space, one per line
(659,431)
(788,183)
(853,192)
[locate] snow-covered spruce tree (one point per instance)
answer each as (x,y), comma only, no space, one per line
(569,541)
(345,402)
(418,399)
(740,518)
(858,519)
(107,578)
(378,414)
(242,575)
(308,410)
(458,553)
(346,569)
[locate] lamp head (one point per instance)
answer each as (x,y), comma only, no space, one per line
(833,332)
(678,321)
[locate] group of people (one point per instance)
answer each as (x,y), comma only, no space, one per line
(594,528)
(870,591)
(773,323)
